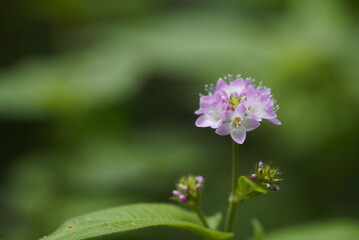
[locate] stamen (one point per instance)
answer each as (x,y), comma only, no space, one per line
(236,122)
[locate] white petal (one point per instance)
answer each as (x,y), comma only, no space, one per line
(202,121)
(224,129)
(206,120)
(228,116)
(240,110)
(250,124)
(239,135)
(275,121)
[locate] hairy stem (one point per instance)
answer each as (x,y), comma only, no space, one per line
(232,199)
(201,216)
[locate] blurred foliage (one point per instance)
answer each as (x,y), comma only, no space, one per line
(97,101)
(334,230)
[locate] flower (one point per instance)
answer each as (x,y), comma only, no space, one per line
(236,106)
(237,123)
(188,190)
(266,176)
(210,109)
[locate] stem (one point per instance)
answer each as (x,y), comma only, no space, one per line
(201,216)
(232,199)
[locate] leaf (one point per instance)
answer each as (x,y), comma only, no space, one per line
(132,217)
(258,230)
(248,189)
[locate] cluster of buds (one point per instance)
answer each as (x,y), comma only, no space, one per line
(266,176)
(188,190)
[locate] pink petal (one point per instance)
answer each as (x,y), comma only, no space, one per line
(254,116)
(238,83)
(265,91)
(275,121)
(198,112)
(202,121)
(239,135)
(221,85)
(224,129)
(268,114)
(250,124)
(227,116)
(240,110)
(251,93)
(215,124)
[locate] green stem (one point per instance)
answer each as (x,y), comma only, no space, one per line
(201,216)
(232,199)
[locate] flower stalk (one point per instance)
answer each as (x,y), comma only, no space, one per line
(201,216)
(233,201)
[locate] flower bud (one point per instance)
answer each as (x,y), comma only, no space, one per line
(185,188)
(266,176)
(183,198)
(188,190)
(254,176)
(176,193)
(275,188)
(199,179)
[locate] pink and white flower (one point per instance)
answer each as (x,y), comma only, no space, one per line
(236,106)
(236,123)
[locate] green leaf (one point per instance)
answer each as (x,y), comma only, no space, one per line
(248,189)
(258,230)
(132,217)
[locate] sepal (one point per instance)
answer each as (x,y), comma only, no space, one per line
(247,189)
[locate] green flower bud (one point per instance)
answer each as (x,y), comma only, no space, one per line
(266,176)
(188,190)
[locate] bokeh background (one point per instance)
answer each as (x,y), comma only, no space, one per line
(97,101)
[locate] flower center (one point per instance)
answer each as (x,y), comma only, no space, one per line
(236,122)
(234,101)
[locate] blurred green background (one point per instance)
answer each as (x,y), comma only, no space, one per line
(97,102)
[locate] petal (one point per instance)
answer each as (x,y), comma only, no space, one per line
(221,85)
(227,116)
(254,116)
(216,123)
(268,114)
(239,135)
(240,110)
(198,112)
(202,121)
(238,83)
(275,121)
(250,124)
(208,120)
(248,82)
(224,129)
(252,93)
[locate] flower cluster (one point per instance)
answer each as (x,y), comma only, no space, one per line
(188,190)
(266,176)
(235,106)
